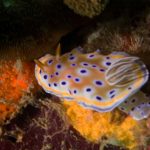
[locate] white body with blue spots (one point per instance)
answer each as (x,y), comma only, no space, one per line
(94,81)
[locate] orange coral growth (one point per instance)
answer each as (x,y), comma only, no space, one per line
(15,79)
(6,111)
(94,125)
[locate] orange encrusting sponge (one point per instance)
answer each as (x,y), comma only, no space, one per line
(15,78)
(95,125)
(6,111)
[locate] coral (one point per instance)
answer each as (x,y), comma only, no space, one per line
(15,81)
(89,8)
(94,126)
(130,42)
(44,127)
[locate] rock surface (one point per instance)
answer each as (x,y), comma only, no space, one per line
(45,127)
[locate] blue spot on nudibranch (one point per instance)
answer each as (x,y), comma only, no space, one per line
(45,76)
(50,61)
(102,70)
(107,57)
(63,83)
(75,91)
(40,71)
(111,92)
(72,58)
(94,66)
(91,55)
(88,89)
(108,63)
(83,71)
(85,64)
(77,79)
(55,84)
(99,83)
(68,76)
(98,98)
(59,66)
(112,96)
(57,73)
(73,65)
(51,76)
(49,85)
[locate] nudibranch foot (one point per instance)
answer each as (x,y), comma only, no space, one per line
(137,106)
(141,112)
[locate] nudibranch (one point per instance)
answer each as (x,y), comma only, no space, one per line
(95,81)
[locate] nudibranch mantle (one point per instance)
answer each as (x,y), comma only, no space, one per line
(95,81)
